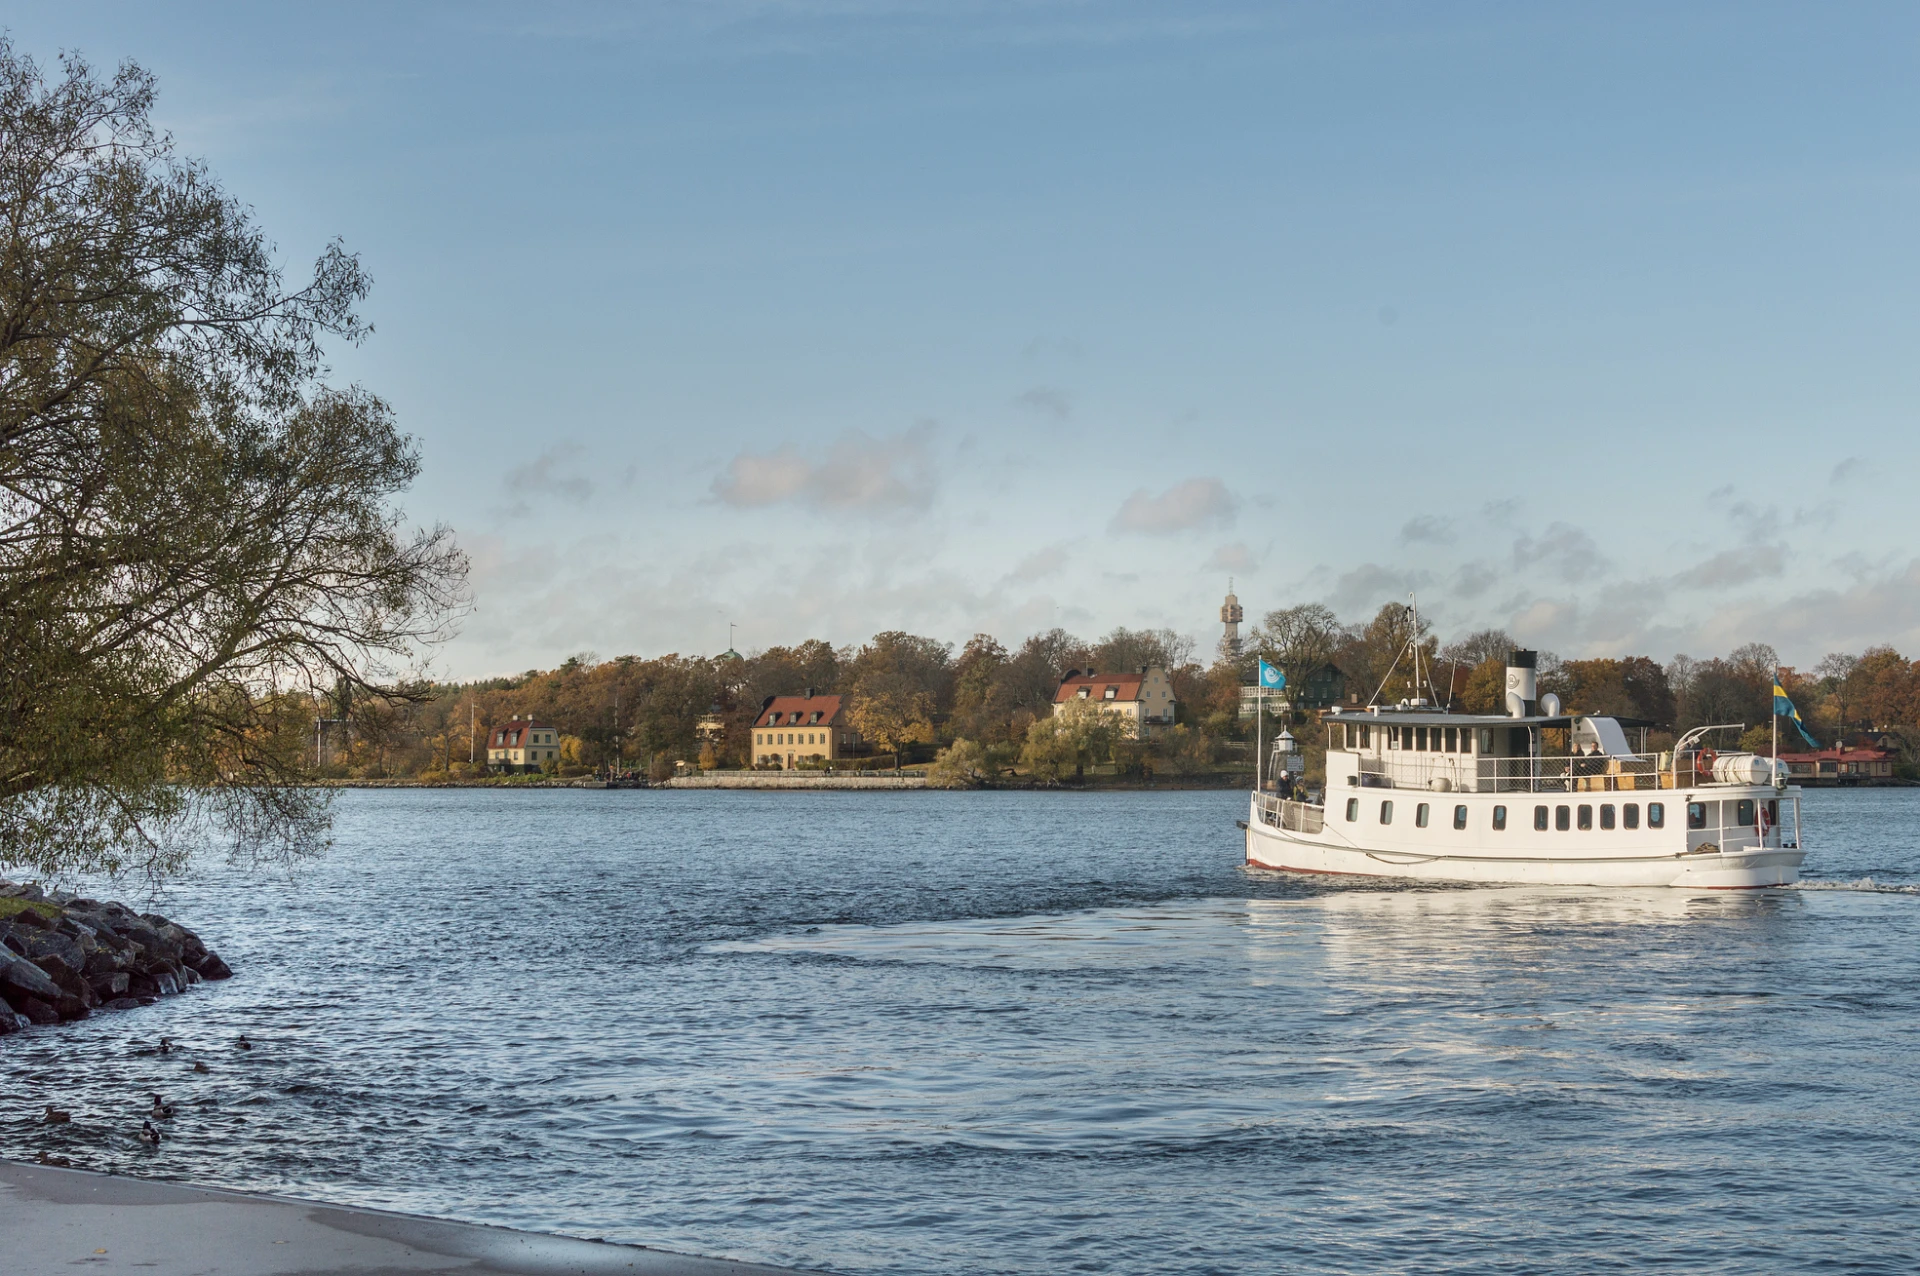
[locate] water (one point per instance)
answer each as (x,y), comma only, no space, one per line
(1029,1032)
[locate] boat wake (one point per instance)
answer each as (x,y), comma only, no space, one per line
(1863,884)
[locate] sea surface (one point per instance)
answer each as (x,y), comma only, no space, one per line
(1027,1032)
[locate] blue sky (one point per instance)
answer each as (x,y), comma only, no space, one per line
(1595,322)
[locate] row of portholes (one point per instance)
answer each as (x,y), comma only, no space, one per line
(1561,818)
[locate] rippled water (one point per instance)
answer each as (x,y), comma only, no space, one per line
(1026,1032)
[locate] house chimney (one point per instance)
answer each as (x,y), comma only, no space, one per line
(1521,684)
(809,693)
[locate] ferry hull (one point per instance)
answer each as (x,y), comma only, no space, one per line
(1742,869)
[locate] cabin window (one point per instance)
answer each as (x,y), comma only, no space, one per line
(1420,815)
(1353,809)
(1773,813)
(1386,812)
(1656,815)
(1453,739)
(1606,815)
(1366,736)
(1459,817)
(1696,815)
(1562,818)
(1466,739)
(1486,739)
(1744,812)
(1420,738)
(1630,815)
(1586,818)
(1499,819)
(1393,737)
(1540,818)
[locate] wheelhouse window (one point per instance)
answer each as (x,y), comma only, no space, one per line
(1393,737)
(1386,812)
(1562,818)
(1540,818)
(1696,815)
(1630,815)
(1586,818)
(1744,813)
(1353,809)
(1486,739)
(1459,817)
(1453,739)
(1656,815)
(1366,736)
(1466,739)
(1420,739)
(1499,819)
(1420,814)
(1606,815)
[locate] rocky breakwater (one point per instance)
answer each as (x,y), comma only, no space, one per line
(63,957)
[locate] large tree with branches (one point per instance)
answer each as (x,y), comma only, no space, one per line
(197,532)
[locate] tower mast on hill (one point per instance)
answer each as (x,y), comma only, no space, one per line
(1231,615)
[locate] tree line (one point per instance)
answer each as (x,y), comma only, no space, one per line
(987,708)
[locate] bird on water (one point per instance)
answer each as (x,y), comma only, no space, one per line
(243,1043)
(148,1135)
(200,1067)
(57,1116)
(166,1045)
(161,1111)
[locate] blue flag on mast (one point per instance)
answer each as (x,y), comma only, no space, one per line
(1783,708)
(1271,678)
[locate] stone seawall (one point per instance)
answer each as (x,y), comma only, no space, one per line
(63,957)
(792,780)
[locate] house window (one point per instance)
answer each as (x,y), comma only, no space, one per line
(1562,818)
(1540,818)
(1420,815)
(1113,693)
(1656,815)
(1499,819)
(1459,817)
(1606,815)
(1353,809)
(1386,812)
(1586,818)
(1630,815)
(1696,815)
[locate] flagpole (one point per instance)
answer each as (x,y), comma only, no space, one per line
(1260,727)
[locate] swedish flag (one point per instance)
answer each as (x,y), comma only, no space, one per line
(1783,708)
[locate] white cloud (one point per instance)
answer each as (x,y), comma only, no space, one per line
(1057,404)
(547,476)
(1039,565)
(1184,507)
(1564,549)
(1427,529)
(1237,557)
(1734,567)
(1358,594)
(859,473)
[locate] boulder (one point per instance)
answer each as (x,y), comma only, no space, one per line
(33,921)
(124,1003)
(211,967)
(109,985)
(27,980)
(48,945)
(9,1022)
(36,1010)
(140,984)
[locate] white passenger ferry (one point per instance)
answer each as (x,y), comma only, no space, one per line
(1418,792)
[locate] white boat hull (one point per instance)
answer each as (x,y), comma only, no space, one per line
(1520,857)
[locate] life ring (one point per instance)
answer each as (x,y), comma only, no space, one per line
(1704,760)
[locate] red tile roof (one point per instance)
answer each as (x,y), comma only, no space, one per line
(511,735)
(800,711)
(1126,685)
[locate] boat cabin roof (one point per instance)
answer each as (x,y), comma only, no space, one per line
(1441,718)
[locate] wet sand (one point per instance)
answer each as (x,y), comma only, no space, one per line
(56,1219)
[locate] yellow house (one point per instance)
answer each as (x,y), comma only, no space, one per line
(1144,698)
(795,729)
(523,745)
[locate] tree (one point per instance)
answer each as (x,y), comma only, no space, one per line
(193,526)
(1298,639)
(961,765)
(1081,734)
(1126,650)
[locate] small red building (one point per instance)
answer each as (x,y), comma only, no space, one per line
(1839,766)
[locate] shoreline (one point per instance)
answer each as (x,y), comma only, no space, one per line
(867,782)
(54,1218)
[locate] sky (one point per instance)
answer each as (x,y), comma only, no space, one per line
(824,317)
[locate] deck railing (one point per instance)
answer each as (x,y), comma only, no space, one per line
(1618,773)
(1296,817)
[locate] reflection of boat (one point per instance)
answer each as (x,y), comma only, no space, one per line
(1422,793)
